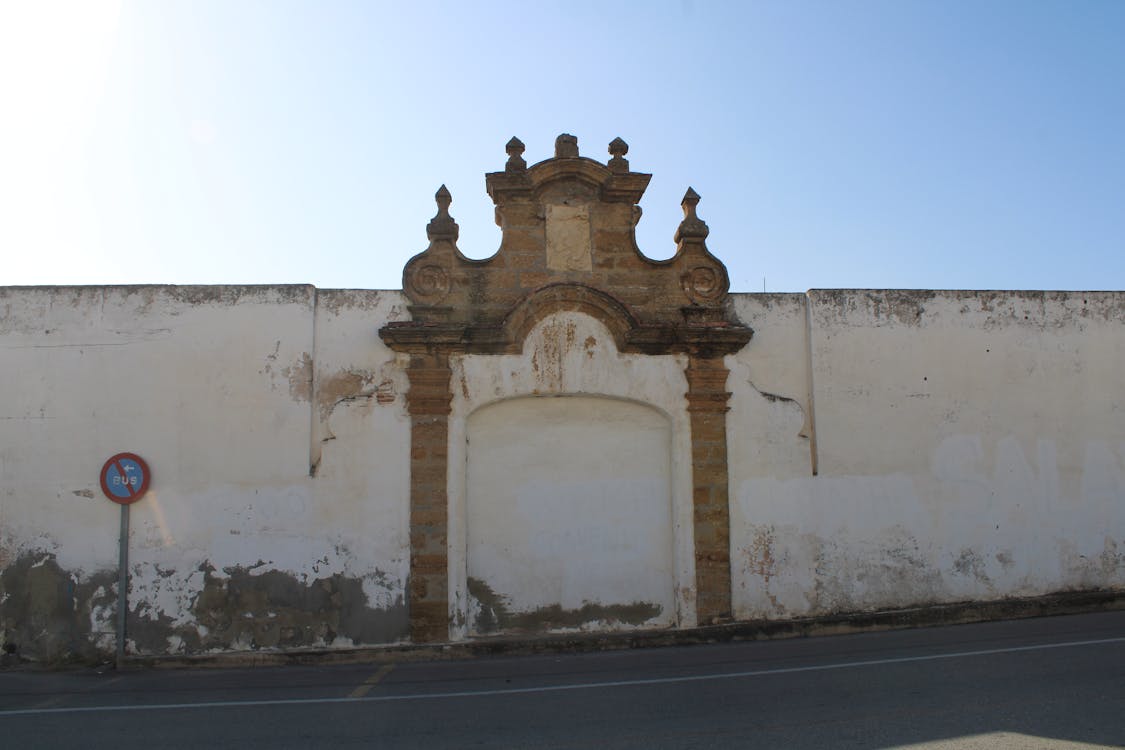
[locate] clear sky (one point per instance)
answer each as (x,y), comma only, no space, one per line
(899,144)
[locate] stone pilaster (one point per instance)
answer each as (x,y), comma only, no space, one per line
(707,405)
(428,404)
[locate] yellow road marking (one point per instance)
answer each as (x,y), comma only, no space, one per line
(371,681)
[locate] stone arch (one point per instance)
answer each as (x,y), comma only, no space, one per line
(560,297)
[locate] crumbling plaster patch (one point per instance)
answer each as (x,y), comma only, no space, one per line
(355,372)
(51,614)
(187,605)
(258,608)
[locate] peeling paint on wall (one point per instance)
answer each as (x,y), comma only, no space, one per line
(493,614)
(548,351)
(54,615)
(300,377)
(969,448)
(273,609)
(341,386)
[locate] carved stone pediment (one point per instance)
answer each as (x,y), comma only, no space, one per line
(568,242)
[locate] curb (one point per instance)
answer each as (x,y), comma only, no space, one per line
(1067,603)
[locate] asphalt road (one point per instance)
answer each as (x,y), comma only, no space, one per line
(1045,683)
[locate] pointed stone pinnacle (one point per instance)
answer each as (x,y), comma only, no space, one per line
(692,227)
(442,226)
(443,198)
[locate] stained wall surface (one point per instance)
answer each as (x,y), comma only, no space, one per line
(967,446)
(886,449)
(236,546)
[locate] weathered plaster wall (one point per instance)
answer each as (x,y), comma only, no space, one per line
(235,546)
(359,458)
(886,449)
(968,446)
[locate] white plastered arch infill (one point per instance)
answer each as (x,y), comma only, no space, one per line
(572,354)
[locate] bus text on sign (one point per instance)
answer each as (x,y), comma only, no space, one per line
(125,478)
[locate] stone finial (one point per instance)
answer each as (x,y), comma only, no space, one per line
(566,147)
(692,227)
(442,226)
(515,149)
(617,149)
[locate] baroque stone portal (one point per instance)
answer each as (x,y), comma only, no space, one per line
(568,244)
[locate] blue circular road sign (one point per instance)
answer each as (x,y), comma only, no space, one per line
(125,478)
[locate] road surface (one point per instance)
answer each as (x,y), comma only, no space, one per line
(1044,683)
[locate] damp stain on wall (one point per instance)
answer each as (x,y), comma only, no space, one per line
(241,609)
(53,615)
(495,616)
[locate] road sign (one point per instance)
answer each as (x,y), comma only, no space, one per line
(125,478)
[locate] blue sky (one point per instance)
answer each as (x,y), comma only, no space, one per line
(904,144)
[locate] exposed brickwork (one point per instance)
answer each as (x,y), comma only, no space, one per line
(707,404)
(568,244)
(428,404)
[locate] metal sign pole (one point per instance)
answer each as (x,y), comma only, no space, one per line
(122,584)
(124,479)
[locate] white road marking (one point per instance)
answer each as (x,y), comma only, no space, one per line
(556,688)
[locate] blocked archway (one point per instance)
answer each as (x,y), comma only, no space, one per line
(568,515)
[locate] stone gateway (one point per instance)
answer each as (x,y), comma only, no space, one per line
(564,437)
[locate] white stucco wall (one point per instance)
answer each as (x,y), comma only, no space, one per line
(886,449)
(360,447)
(969,445)
(212,386)
(569,514)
